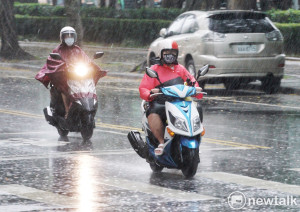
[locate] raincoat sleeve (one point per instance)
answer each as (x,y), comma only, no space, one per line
(146,85)
(51,66)
(186,76)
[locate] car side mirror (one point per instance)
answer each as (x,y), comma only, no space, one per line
(203,71)
(55,56)
(163,32)
(98,55)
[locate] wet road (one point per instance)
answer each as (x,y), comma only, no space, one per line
(251,146)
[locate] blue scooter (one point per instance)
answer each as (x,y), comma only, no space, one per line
(183,130)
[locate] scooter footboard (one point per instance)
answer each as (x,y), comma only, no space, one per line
(191,142)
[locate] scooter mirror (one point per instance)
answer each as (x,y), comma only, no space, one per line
(98,55)
(151,73)
(55,56)
(203,71)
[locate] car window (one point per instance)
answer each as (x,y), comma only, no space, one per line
(190,25)
(175,27)
(237,23)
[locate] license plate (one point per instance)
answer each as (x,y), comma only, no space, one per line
(246,49)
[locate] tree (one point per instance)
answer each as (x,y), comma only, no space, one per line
(276,4)
(10,48)
(241,5)
(203,4)
(73,17)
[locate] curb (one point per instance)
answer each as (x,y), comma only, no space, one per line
(292,58)
(283,89)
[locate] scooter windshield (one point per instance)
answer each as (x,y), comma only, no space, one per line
(179,91)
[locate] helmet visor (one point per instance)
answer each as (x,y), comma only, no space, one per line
(170,51)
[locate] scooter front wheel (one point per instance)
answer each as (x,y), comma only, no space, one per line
(87,132)
(190,162)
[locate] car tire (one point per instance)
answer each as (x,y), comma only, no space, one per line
(190,66)
(151,59)
(271,85)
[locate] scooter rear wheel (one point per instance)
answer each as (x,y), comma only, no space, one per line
(155,168)
(62,133)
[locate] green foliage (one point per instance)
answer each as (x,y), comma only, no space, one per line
(284,16)
(108,30)
(291,34)
(140,25)
(35,9)
(143,13)
(40,27)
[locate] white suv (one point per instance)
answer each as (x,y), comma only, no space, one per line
(239,46)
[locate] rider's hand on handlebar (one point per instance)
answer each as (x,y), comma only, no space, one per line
(155,90)
(198,89)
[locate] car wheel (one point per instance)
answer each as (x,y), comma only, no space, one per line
(152,59)
(190,66)
(271,85)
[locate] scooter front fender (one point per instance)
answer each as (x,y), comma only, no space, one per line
(87,104)
(190,142)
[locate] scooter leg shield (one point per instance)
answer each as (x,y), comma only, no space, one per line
(137,143)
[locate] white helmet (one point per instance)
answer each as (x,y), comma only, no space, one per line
(170,46)
(70,31)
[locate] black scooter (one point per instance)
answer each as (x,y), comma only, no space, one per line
(83,109)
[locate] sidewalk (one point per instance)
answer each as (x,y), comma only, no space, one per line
(122,61)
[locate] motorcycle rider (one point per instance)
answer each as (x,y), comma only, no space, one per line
(170,73)
(70,53)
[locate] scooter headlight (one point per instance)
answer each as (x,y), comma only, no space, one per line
(179,123)
(196,124)
(81,70)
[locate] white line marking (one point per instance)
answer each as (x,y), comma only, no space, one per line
(295,169)
(147,188)
(38,195)
(253,182)
(28,207)
(67,155)
(253,103)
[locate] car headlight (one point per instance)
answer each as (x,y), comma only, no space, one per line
(196,123)
(81,69)
(179,123)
